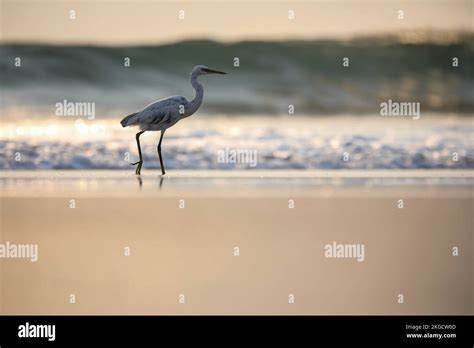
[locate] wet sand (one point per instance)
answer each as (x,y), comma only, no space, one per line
(190,250)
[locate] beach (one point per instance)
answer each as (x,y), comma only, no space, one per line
(251,171)
(237,242)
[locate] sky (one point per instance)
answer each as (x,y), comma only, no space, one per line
(131,22)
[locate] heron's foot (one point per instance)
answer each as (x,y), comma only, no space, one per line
(139,167)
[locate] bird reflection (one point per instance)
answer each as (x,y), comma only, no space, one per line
(161,181)
(140,181)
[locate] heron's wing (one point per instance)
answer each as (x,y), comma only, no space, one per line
(161,111)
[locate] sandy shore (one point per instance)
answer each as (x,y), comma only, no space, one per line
(183,232)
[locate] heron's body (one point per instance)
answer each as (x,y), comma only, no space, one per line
(165,113)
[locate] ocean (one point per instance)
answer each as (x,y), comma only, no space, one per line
(296,104)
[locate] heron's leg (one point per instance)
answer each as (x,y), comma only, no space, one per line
(140,163)
(159,153)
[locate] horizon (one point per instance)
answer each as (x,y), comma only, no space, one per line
(402,37)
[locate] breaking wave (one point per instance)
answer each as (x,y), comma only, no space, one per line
(270,75)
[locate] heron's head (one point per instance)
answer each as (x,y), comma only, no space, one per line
(204,70)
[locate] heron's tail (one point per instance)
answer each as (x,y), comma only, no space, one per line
(124,122)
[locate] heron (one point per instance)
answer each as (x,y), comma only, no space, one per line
(164,113)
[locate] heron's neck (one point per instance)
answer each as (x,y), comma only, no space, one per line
(196,102)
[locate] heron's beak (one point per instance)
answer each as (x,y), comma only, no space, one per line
(210,71)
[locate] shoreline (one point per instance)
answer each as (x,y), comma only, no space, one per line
(250,183)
